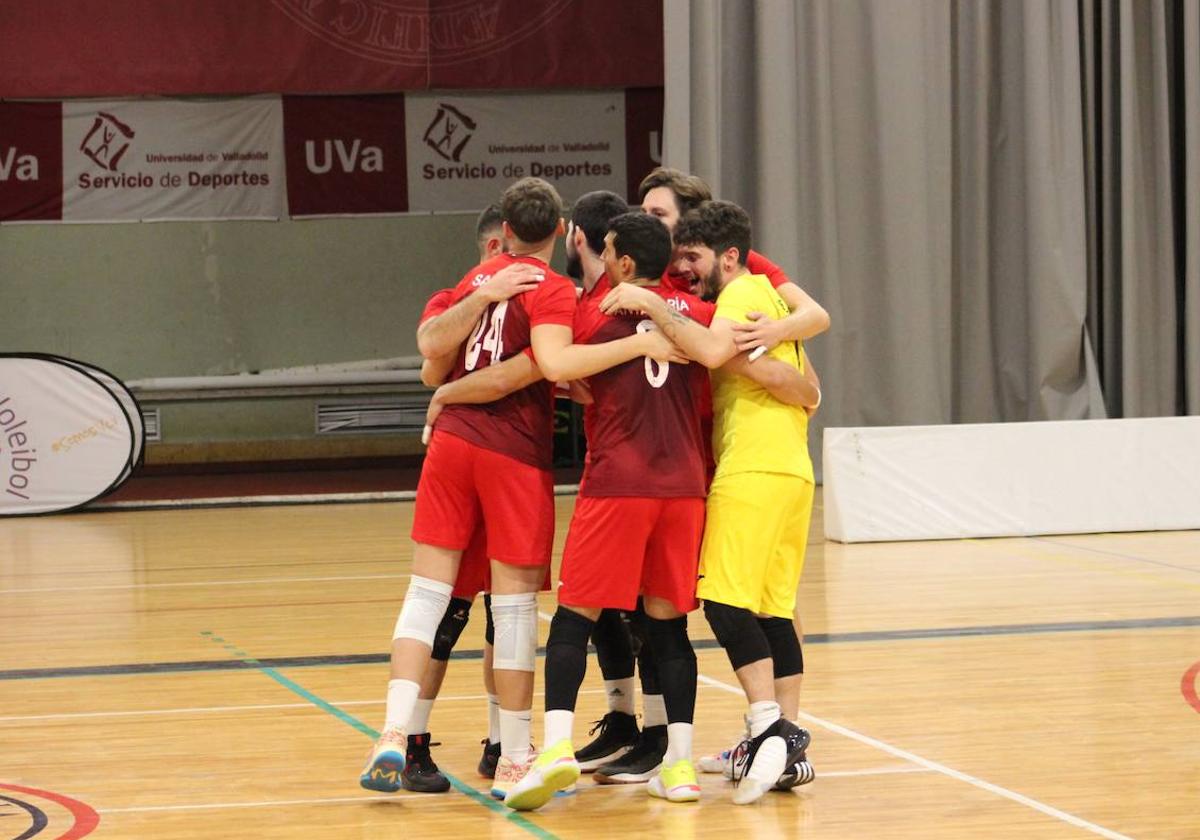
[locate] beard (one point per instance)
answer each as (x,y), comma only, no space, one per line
(710,286)
(574,265)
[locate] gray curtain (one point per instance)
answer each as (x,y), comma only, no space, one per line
(931,172)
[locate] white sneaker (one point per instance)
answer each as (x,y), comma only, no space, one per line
(767,758)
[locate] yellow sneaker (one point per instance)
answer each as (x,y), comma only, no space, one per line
(553,770)
(676,782)
(385,762)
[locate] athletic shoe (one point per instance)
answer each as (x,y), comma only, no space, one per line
(385,762)
(487,761)
(508,773)
(797,771)
(758,763)
(721,762)
(640,763)
(619,734)
(676,783)
(421,774)
(552,771)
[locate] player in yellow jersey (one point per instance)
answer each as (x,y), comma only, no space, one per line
(760,502)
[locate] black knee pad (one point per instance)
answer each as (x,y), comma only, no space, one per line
(669,638)
(614,648)
(785,646)
(738,632)
(489,632)
(458,612)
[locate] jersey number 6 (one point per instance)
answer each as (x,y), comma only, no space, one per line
(656,372)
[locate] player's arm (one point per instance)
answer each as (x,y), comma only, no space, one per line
(485,385)
(711,346)
(434,371)
(561,360)
(443,334)
(807,319)
(782,381)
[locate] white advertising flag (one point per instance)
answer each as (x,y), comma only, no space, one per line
(173,159)
(464,150)
(64,438)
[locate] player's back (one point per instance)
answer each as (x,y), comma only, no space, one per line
(644,433)
(519,425)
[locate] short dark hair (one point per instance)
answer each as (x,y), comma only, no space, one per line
(720,225)
(690,191)
(532,208)
(592,213)
(645,240)
(488,220)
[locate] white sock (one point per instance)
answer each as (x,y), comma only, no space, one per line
(418,722)
(654,710)
(620,695)
(679,742)
(559,723)
(401,697)
(762,715)
(514,734)
(493,719)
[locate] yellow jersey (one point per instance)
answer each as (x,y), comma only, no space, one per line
(753,431)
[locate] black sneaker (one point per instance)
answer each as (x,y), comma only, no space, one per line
(489,759)
(420,773)
(759,762)
(798,771)
(640,763)
(619,734)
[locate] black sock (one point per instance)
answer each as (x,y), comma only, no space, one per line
(566,658)
(614,647)
(676,666)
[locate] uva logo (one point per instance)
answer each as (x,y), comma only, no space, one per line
(320,158)
(18,166)
(449,132)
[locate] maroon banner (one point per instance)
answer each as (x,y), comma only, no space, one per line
(78,48)
(31,161)
(643,136)
(345,154)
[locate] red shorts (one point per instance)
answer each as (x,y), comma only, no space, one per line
(475,570)
(464,487)
(620,546)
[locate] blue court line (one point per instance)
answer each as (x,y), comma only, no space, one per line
(483,799)
(698,644)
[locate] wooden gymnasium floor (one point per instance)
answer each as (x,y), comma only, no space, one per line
(218,672)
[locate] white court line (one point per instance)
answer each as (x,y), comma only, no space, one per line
(269,803)
(941,768)
(254,581)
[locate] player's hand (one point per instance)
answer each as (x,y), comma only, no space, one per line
(661,349)
(510,281)
(760,332)
(626,297)
(431,416)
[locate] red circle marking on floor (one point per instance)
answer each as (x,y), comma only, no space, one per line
(86,819)
(1188,686)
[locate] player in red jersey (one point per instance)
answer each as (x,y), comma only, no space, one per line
(421,773)
(491,462)
(637,523)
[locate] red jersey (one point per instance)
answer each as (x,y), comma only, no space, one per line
(756,263)
(644,435)
(520,425)
(438,303)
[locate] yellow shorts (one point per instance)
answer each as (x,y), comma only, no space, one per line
(754,540)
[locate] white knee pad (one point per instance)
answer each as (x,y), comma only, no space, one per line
(424,606)
(515,618)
